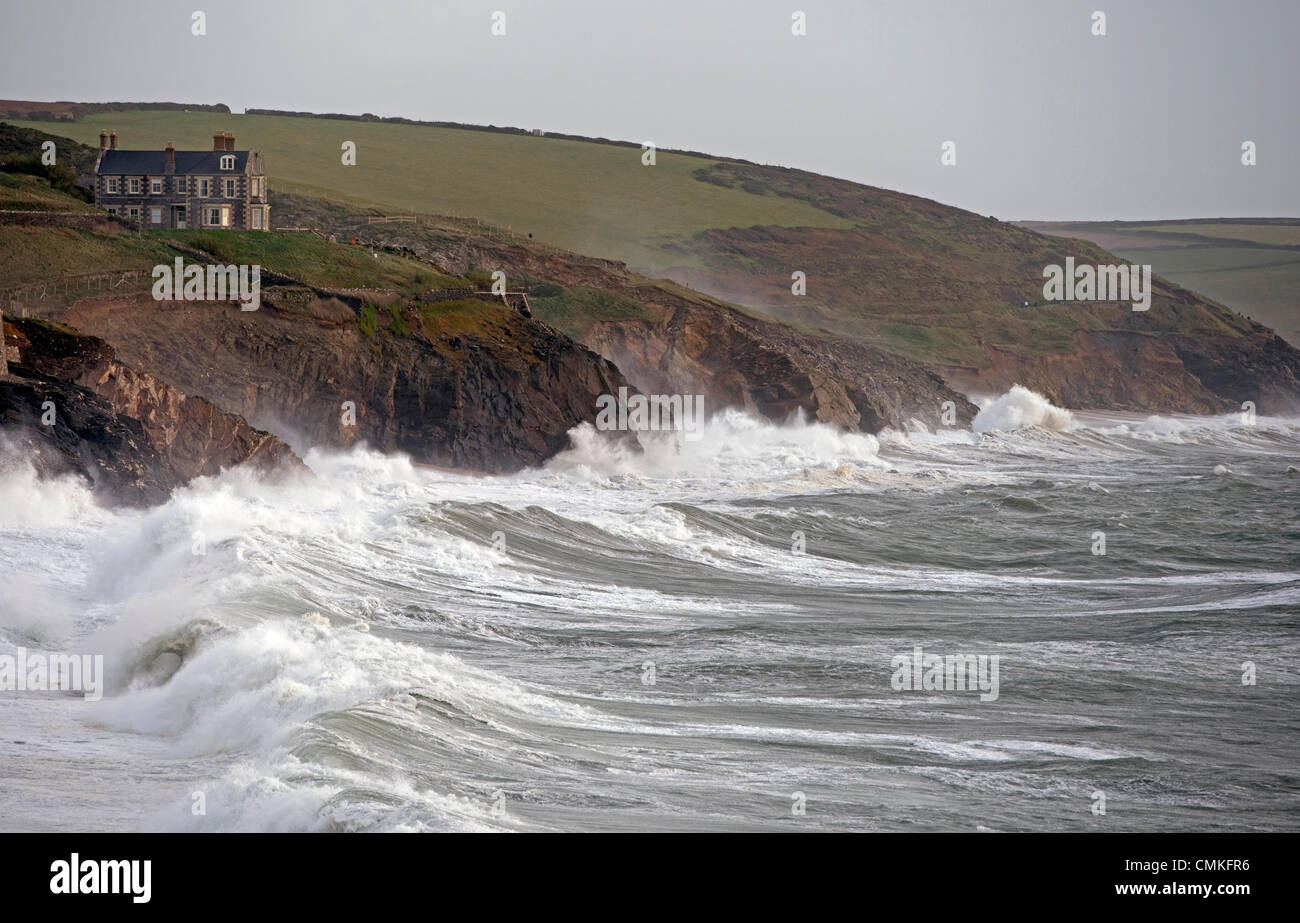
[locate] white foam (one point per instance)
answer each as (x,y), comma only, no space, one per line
(1020,408)
(732,444)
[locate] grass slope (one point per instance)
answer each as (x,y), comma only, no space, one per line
(56,254)
(592,198)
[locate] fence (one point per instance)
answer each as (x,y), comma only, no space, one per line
(86,282)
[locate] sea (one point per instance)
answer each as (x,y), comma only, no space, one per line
(1045,621)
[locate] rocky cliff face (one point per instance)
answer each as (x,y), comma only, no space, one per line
(87,438)
(133,437)
(774,371)
(476,385)
(670,340)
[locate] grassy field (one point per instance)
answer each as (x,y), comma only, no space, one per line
(313,260)
(593,198)
(1251,265)
(30,255)
(56,254)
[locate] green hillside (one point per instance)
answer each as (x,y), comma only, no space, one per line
(1252,264)
(592,198)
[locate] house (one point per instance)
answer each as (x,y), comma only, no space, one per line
(220,188)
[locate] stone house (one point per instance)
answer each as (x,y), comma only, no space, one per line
(220,188)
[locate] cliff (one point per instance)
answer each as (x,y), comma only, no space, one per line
(467,384)
(668,339)
(131,436)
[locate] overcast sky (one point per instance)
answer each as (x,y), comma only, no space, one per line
(1049,120)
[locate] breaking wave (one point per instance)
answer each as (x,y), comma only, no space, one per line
(388,647)
(1020,408)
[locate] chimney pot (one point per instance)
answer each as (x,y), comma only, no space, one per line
(170,151)
(230,140)
(218,141)
(112,139)
(103,139)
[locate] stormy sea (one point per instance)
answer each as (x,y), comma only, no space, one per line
(732,632)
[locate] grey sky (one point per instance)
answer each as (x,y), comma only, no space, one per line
(1049,121)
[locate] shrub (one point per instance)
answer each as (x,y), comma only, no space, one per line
(368,321)
(59,175)
(398,326)
(212,243)
(481,278)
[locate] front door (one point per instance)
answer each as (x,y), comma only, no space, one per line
(178,219)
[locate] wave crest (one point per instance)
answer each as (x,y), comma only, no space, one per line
(1021,408)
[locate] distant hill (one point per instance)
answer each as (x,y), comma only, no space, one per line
(1252,264)
(68,112)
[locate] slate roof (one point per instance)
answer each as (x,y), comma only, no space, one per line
(154,163)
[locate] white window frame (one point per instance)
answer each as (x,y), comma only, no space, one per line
(178,185)
(155,214)
(112,209)
(110,185)
(230,187)
(223,216)
(205,187)
(134,185)
(258,217)
(133,211)
(227,161)
(155,187)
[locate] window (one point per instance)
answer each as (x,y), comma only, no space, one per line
(155,187)
(135,186)
(218,216)
(112,209)
(133,212)
(155,215)
(228,162)
(257,219)
(256,182)
(110,185)
(204,186)
(180,185)
(230,189)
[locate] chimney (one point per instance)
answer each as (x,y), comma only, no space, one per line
(230,140)
(112,139)
(218,140)
(170,151)
(103,139)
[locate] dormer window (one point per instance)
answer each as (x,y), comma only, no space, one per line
(228,162)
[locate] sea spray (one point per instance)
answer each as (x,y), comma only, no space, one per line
(1020,408)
